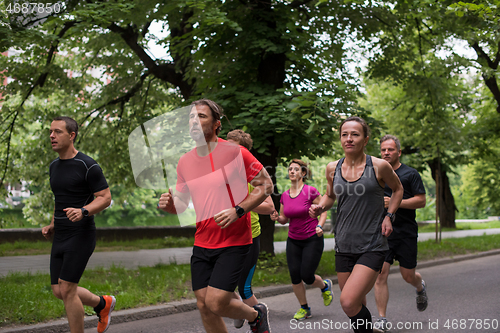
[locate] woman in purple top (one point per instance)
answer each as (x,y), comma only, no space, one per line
(305,242)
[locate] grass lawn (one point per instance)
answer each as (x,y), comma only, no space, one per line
(27,298)
(462,226)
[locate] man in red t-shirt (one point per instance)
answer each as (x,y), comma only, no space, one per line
(215,176)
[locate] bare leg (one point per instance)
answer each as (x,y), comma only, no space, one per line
(300,292)
(356,285)
(251,301)
(318,282)
(222,303)
(381,289)
(212,322)
(412,277)
(87,297)
(73,305)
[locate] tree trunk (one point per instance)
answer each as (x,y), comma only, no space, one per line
(446,201)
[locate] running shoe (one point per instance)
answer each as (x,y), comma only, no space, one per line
(422,298)
(328,293)
(262,324)
(380,325)
(303,314)
(105,314)
(238,323)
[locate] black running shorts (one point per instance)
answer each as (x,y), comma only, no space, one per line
(344,262)
(69,256)
(217,268)
(403,250)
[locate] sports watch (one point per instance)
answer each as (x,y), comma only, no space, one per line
(239,211)
(392,216)
(85,212)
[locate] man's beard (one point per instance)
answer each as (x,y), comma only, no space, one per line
(202,136)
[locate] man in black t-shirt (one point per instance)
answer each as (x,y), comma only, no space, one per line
(403,240)
(80,192)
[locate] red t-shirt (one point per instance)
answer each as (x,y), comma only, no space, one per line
(217,182)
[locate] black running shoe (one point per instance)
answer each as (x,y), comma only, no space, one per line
(422,298)
(262,325)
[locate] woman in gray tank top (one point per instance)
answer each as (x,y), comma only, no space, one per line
(357,183)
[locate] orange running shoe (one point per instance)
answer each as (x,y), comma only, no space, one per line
(105,314)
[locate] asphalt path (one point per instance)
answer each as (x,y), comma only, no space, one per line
(463,297)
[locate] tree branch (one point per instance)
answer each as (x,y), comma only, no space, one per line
(39,82)
(482,55)
(298,3)
(497,58)
(490,80)
(8,148)
(166,72)
(145,29)
(119,100)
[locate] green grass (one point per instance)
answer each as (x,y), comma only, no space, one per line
(462,226)
(428,250)
(27,298)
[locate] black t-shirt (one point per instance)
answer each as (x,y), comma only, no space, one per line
(74,182)
(405,224)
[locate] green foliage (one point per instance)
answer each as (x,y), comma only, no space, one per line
(12,218)
(481,181)
(279,71)
(138,207)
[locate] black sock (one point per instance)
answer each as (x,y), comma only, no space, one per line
(325,288)
(101,305)
(305,306)
(254,322)
(362,322)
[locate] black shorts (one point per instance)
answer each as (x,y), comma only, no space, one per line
(344,262)
(69,256)
(403,250)
(217,268)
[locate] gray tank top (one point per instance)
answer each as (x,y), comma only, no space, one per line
(360,212)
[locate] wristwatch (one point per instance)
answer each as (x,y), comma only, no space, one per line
(392,216)
(239,211)
(85,212)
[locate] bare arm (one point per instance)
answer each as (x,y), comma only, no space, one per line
(101,201)
(266,207)
(326,202)
(48,230)
(386,174)
(281,218)
(174,203)
(418,201)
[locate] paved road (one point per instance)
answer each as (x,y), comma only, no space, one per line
(133,259)
(459,294)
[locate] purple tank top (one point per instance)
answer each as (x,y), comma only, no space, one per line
(301,225)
